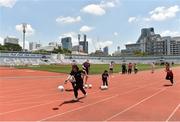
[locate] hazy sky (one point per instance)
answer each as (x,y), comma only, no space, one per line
(106,22)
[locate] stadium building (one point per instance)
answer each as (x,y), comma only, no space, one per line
(153,44)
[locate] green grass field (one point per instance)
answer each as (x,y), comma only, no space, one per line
(95,68)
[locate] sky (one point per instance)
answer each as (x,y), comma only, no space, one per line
(109,23)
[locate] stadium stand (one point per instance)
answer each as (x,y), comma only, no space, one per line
(27,58)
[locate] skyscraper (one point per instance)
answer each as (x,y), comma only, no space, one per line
(106,50)
(84,44)
(66,43)
(34,46)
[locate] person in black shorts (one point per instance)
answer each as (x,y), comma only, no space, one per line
(86,67)
(105,77)
(78,84)
(135,68)
(111,66)
(124,69)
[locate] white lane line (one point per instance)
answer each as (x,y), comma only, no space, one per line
(91,104)
(132,90)
(28,93)
(34,106)
(16,110)
(55,101)
(21,77)
(173,112)
(143,100)
(56,93)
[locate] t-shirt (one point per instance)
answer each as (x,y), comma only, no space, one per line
(86,65)
(135,67)
(129,66)
(111,66)
(105,76)
(77,76)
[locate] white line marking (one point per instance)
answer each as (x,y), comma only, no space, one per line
(90,93)
(132,90)
(143,100)
(80,107)
(16,110)
(19,77)
(18,100)
(30,107)
(174,111)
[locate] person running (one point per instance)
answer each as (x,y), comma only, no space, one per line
(85,76)
(111,66)
(105,77)
(86,66)
(78,82)
(169,75)
(130,68)
(135,68)
(70,77)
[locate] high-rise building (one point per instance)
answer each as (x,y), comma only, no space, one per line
(84,44)
(106,50)
(11,40)
(153,44)
(66,43)
(34,46)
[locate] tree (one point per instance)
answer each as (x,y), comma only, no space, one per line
(57,50)
(139,53)
(11,47)
(60,50)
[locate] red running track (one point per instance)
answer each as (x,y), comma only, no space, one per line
(28,95)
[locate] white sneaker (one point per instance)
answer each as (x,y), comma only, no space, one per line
(86,86)
(85,95)
(75,99)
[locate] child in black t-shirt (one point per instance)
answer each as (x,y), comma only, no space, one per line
(78,83)
(105,77)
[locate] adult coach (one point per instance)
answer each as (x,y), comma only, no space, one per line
(86,67)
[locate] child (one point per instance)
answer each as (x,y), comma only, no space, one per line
(105,77)
(135,68)
(78,84)
(152,67)
(124,68)
(85,77)
(129,68)
(111,66)
(169,75)
(86,67)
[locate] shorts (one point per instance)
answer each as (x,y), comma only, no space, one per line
(87,71)
(111,69)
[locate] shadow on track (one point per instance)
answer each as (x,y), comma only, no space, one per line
(68,102)
(167,85)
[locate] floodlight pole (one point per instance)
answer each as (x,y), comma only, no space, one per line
(24,25)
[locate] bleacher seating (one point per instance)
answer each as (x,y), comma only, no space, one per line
(26,58)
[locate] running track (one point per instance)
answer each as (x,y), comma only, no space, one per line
(28,95)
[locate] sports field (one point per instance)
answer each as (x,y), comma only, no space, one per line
(95,68)
(32,95)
